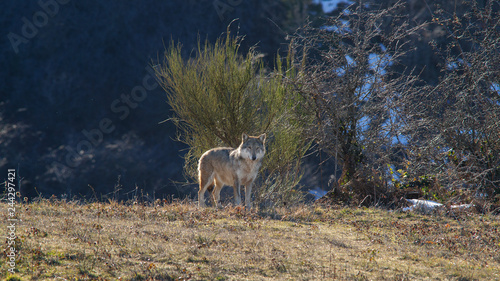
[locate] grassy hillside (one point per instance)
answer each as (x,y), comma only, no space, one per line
(178,241)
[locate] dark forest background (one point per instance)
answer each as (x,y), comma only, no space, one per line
(80,112)
(87,55)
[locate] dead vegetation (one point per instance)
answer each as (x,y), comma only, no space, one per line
(60,240)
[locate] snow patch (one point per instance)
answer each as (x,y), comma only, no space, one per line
(422,205)
(427,206)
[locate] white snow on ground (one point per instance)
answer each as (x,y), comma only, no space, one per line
(422,205)
(427,206)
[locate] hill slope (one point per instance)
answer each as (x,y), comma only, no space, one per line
(177,241)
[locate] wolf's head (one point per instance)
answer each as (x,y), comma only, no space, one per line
(252,148)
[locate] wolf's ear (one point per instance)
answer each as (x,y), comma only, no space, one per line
(244,137)
(262,137)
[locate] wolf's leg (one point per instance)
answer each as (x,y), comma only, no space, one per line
(205,182)
(248,195)
(211,191)
(216,194)
(237,193)
(201,196)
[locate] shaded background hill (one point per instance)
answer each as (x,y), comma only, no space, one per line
(84,56)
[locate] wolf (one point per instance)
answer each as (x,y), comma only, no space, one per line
(233,167)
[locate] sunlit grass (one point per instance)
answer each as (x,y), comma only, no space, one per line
(178,241)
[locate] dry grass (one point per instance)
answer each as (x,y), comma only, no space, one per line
(178,241)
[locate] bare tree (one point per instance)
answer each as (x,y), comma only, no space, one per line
(454,127)
(346,80)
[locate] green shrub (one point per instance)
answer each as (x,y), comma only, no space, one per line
(219,94)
